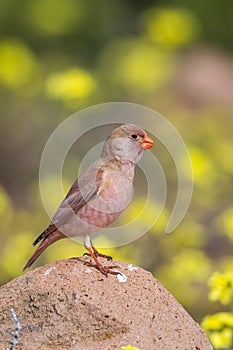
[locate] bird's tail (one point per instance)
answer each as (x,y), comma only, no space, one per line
(39,238)
(53,237)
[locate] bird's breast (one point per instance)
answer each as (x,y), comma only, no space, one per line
(113,196)
(114,193)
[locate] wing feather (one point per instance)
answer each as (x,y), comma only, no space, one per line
(75,199)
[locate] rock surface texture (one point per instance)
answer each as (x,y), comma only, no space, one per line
(70,305)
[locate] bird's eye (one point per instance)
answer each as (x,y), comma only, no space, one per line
(134,136)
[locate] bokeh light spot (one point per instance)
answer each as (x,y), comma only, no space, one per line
(171,27)
(74,83)
(17,64)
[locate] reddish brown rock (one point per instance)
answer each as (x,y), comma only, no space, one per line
(69,305)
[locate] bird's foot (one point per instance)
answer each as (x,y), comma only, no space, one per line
(94,254)
(97,254)
(105,270)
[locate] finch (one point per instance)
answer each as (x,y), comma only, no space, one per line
(99,195)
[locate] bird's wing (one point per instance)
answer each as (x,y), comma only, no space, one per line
(81,192)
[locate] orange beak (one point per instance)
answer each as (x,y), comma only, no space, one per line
(147,142)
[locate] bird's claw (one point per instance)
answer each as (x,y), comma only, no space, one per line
(108,257)
(97,255)
(105,270)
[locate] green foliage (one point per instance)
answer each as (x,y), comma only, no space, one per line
(226,222)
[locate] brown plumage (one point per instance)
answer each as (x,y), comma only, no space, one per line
(100,194)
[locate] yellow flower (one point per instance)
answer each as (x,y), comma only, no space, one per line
(171,27)
(18,65)
(129,347)
(221,287)
(74,83)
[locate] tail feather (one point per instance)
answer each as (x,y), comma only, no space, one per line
(51,228)
(39,238)
(53,237)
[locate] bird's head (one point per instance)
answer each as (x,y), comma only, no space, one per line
(126,142)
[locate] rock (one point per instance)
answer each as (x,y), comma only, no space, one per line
(70,305)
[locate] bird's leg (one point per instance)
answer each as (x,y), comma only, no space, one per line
(95,251)
(94,254)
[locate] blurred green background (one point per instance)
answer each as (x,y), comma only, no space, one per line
(57,57)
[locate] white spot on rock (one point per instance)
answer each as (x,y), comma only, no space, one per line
(121,277)
(88,270)
(48,271)
(75,270)
(131,267)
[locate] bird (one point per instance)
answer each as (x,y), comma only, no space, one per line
(99,195)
